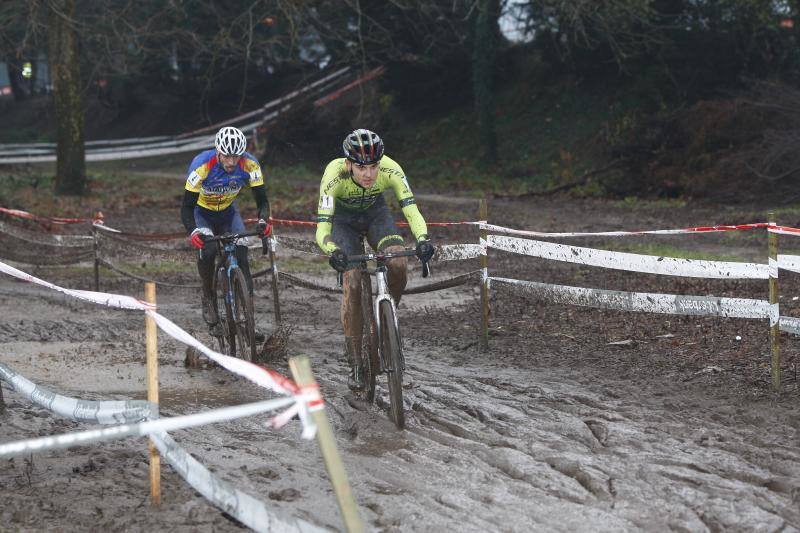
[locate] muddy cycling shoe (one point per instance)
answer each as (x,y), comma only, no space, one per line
(356,379)
(210,312)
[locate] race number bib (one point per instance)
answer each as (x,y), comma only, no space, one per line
(326,202)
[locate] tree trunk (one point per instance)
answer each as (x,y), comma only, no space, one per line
(66,78)
(483,58)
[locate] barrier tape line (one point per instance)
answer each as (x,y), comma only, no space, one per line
(261,376)
(650,264)
(784,230)
(53,220)
(681,231)
(644,301)
(66,440)
(245,508)
(789,262)
(790,324)
(99,412)
(111,266)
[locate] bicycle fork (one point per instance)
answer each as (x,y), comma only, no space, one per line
(383,295)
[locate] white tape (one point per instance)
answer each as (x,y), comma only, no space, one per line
(773,268)
(644,301)
(681,231)
(246,509)
(451,252)
(99,412)
(774,314)
(789,262)
(650,264)
(67,440)
(790,324)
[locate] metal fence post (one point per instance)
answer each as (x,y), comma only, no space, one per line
(774,320)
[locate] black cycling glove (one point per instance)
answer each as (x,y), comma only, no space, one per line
(338,260)
(424,250)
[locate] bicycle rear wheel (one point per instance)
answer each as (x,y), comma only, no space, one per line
(369,339)
(393,361)
(220,291)
(243,319)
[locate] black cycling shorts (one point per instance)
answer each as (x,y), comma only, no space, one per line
(376,223)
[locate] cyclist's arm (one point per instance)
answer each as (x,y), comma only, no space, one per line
(194,181)
(187,210)
(408,204)
(262,203)
(256,183)
(326,207)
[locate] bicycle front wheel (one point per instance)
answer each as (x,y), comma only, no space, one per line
(393,360)
(220,291)
(243,318)
(369,339)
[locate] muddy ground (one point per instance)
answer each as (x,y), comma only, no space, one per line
(674,428)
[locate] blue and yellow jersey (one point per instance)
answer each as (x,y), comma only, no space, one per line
(338,189)
(217,188)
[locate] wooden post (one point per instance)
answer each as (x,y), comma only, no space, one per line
(273,264)
(774,326)
(96,260)
(2,401)
(151,343)
(301,371)
(483,215)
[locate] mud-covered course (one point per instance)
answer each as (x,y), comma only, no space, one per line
(576,419)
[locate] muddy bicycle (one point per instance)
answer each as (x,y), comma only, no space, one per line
(382,352)
(230,294)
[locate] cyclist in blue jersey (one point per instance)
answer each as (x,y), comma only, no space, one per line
(215,178)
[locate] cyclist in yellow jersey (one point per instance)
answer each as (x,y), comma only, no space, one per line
(215,178)
(351,204)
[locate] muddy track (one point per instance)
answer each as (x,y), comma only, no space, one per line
(552,430)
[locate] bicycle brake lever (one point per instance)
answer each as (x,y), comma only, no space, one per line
(426,270)
(339,279)
(264,245)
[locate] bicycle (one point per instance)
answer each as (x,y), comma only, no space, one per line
(383,347)
(229,291)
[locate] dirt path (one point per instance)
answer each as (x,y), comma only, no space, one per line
(553,430)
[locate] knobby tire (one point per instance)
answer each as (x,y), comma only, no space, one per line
(243,321)
(219,290)
(369,339)
(393,361)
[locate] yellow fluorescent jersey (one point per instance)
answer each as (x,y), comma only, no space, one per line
(338,189)
(218,189)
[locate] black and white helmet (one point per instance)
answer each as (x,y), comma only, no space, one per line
(230,141)
(363,147)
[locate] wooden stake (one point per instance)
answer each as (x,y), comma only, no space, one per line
(96,261)
(274,267)
(774,327)
(301,371)
(483,215)
(151,343)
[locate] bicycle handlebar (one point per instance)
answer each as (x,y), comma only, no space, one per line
(382,256)
(230,237)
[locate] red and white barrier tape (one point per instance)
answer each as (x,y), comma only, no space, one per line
(784,230)
(52,220)
(259,375)
(698,229)
(650,264)
(648,302)
(67,440)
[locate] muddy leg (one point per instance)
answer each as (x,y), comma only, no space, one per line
(352,322)
(397,277)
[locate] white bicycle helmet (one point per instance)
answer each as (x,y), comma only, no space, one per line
(230,141)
